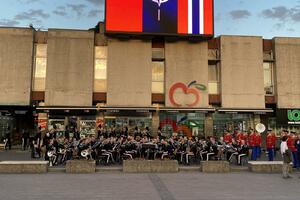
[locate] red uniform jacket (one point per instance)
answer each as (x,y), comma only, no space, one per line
(239,137)
(228,138)
(270,141)
(252,137)
(291,144)
(257,140)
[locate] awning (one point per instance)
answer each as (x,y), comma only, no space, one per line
(137,109)
(246,110)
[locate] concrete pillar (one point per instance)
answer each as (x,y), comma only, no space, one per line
(208,125)
(155,123)
(16,45)
(256,119)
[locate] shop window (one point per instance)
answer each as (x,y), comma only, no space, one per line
(213,79)
(231,122)
(40,66)
(158,53)
(158,77)
(268,78)
(185,124)
(100,83)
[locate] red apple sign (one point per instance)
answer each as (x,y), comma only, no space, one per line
(187,89)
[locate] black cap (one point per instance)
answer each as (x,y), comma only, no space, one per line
(293,132)
(270,130)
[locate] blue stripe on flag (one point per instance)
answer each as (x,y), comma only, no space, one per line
(196,17)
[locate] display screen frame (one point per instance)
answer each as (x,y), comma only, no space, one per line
(179,35)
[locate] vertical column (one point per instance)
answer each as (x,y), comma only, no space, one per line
(155,123)
(209,123)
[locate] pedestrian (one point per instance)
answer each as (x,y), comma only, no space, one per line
(286,154)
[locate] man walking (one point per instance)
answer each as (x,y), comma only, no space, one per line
(286,157)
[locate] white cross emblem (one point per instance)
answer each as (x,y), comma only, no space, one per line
(159,2)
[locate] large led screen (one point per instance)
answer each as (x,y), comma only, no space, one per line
(162,17)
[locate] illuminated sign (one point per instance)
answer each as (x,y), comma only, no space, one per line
(294,116)
(161,17)
(288,116)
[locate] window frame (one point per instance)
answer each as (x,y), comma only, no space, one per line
(95,61)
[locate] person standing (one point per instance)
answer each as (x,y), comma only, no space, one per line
(291,145)
(297,145)
(294,150)
(239,137)
(285,152)
(38,138)
(270,143)
(258,142)
(25,137)
(253,151)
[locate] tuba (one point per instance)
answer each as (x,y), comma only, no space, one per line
(85,153)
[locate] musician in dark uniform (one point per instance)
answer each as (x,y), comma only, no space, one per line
(25,137)
(8,139)
(38,138)
(243,151)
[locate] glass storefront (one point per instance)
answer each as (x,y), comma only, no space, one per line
(189,124)
(120,120)
(5,122)
(231,122)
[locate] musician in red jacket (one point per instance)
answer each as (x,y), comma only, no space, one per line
(239,137)
(251,143)
(291,145)
(258,142)
(270,143)
(227,137)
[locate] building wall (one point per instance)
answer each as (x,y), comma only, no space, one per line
(16,49)
(70,68)
(287,56)
(129,73)
(186,62)
(242,76)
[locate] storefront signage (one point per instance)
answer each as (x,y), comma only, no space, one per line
(191,89)
(288,116)
(293,116)
(160,17)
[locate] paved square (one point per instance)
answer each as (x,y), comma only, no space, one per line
(185,186)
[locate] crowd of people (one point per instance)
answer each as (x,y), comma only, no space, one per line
(114,146)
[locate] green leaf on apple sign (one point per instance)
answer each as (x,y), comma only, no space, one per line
(200,87)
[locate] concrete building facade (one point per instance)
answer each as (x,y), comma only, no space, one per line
(83,79)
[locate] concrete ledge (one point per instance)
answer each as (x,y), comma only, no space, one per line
(265,166)
(24,167)
(2,146)
(150,166)
(215,166)
(80,166)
